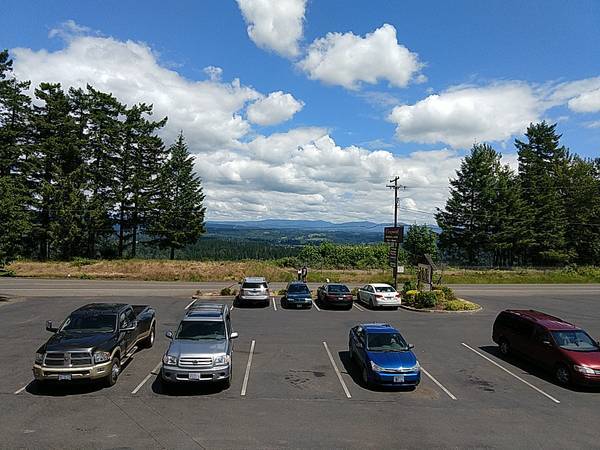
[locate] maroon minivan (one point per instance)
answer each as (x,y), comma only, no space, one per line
(568,351)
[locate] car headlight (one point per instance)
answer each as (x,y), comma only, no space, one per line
(170,360)
(100,357)
(221,360)
(416,367)
(39,358)
(375,367)
(584,369)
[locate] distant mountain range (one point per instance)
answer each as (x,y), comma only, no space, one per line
(315,225)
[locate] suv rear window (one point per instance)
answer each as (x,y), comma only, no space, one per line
(254,285)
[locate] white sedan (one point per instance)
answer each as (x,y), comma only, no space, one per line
(379,294)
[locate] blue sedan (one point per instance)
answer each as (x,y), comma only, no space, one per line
(383,356)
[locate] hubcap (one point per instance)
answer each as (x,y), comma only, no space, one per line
(504,347)
(563,375)
(115,371)
(152,336)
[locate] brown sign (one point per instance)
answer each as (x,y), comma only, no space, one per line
(393,234)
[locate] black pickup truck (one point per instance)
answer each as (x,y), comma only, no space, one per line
(94,342)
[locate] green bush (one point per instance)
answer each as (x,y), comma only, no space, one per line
(426,300)
(80,262)
(7,273)
(439,295)
(449,294)
(410,294)
(226,291)
(459,305)
(409,286)
(354,292)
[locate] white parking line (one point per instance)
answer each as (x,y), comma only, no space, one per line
(17,392)
(153,372)
(337,371)
(510,373)
(316,306)
(274,303)
(360,308)
(190,304)
(440,385)
(247,374)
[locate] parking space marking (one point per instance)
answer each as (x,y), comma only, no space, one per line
(17,392)
(153,372)
(337,371)
(316,306)
(190,304)
(440,385)
(274,303)
(247,374)
(510,373)
(360,308)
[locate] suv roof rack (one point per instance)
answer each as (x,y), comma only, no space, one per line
(204,306)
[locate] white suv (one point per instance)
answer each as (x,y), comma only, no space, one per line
(253,290)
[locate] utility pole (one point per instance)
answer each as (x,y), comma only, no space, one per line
(395,187)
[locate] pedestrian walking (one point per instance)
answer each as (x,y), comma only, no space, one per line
(304,273)
(299,274)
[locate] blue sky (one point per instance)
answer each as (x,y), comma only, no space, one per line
(454,73)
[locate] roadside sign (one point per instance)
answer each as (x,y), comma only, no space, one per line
(393,235)
(393,256)
(400,269)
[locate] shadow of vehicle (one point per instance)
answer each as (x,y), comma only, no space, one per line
(331,307)
(250,305)
(533,369)
(352,368)
(186,389)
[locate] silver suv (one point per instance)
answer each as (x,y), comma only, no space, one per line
(253,290)
(202,346)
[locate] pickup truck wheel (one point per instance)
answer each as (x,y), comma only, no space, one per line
(149,341)
(115,370)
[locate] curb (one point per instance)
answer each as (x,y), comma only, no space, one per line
(470,311)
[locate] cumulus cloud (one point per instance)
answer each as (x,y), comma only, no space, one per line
(277,107)
(210,112)
(586,102)
(214,73)
(275,24)
(461,116)
(349,60)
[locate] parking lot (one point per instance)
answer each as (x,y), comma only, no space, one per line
(293,384)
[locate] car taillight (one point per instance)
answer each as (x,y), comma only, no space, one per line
(397,294)
(379,295)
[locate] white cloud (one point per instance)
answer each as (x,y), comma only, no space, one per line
(586,102)
(349,60)
(275,24)
(464,115)
(277,107)
(214,73)
(69,30)
(209,112)
(593,124)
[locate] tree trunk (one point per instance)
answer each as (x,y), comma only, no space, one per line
(172,253)
(121,231)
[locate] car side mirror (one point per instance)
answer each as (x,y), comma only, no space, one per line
(169,334)
(411,346)
(234,335)
(130,327)
(547,343)
(50,327)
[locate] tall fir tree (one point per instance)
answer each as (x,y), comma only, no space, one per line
(467,218)
(15,133)
(543,165)
(178,213)
(420,240)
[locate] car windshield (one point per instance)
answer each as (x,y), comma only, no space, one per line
(196,330)
(338,288)
(90,322)
(298,289)
(254,285)
(576,340)
(384,289)
(386,342)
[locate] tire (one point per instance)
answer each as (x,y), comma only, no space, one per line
(562,375)
(351,353)
(504,347)
(149,341)
(365,378)
(371,305)
(349,307)
(115,370)
(227,383)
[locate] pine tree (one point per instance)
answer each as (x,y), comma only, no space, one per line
(178,213)
(420,240)
(467,219)
(543,164)
(15,197)
(137,164)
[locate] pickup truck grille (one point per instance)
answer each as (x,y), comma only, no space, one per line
(68,359)
(195,362)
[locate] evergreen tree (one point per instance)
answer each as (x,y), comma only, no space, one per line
(137,166)
(420,240)
(178,213)
(467,219)
(543,165)
(15,195)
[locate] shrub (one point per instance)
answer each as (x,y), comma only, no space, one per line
(80,262)
(426,300)
(449,294)
(226,291)
(459,305)
(410,294)
(439,295)
(354,292)
(7,273)
(409,286)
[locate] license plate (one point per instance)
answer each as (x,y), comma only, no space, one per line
(298,305)
(64,377)
(194,376)
(398,378)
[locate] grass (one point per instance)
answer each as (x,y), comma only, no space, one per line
(165,270)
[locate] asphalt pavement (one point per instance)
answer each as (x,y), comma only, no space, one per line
(293,384)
